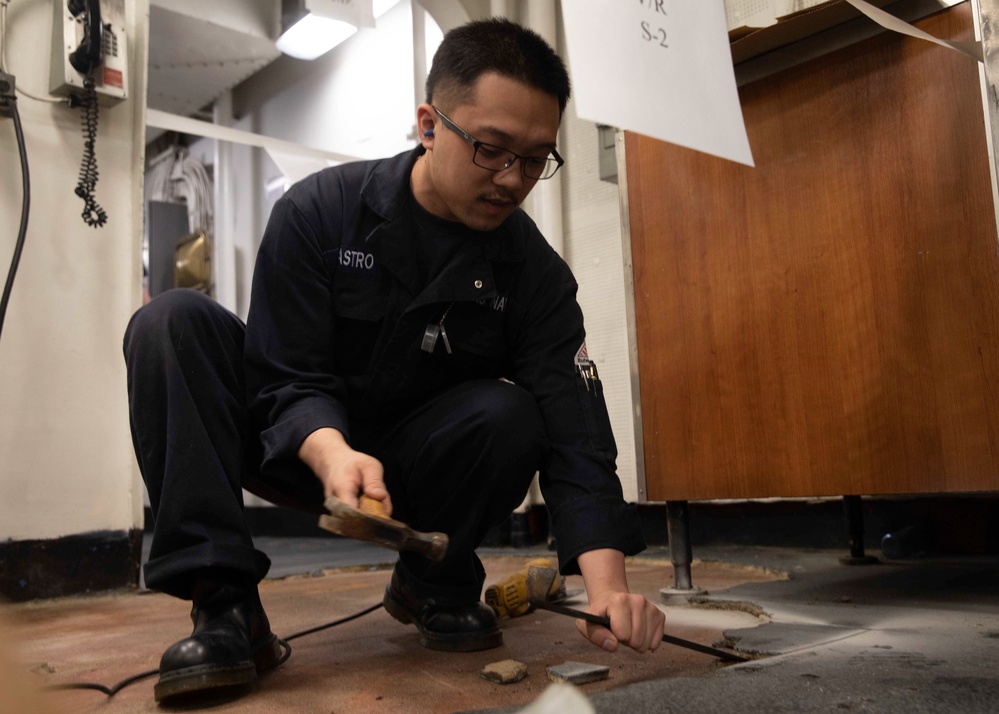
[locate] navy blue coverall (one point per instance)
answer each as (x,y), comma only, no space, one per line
(337,336)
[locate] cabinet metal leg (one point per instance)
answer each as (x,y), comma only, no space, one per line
(680,550)
(853,510)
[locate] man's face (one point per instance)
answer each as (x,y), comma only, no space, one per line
(503,112)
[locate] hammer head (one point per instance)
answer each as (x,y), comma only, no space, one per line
(370,522)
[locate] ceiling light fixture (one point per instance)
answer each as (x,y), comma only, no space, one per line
(311,28)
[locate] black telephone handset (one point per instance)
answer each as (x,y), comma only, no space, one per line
(89,54)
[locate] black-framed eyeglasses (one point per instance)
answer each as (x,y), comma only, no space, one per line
(496,158)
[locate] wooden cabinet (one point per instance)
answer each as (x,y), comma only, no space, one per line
(827,322)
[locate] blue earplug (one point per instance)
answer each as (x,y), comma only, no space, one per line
(428,132)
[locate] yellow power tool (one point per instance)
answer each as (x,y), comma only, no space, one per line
(509,598)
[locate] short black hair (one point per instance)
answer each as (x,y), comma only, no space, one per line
(497,45)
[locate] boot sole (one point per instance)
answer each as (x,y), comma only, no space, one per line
(441,642)
(208,677)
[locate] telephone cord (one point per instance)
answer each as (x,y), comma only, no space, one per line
(93,214)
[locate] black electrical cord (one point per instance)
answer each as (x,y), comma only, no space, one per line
(114,689)
(110,691)
(328,625)
(25,205)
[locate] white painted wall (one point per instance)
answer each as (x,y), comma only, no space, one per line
(593,250)
(66,463)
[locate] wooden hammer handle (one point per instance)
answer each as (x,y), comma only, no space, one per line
(428,544)
(372,507)
(370,521)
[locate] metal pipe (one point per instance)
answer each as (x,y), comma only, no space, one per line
(419,52)
(680,551)
(545,202)
(854,525)
(224,242)
(853,509)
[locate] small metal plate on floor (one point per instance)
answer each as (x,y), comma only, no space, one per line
(577,672)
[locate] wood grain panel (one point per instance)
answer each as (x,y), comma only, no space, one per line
(825,323)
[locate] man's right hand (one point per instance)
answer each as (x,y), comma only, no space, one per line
(345,473)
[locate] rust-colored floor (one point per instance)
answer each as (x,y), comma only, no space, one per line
(372,664)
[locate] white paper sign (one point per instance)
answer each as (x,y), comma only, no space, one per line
(662,68)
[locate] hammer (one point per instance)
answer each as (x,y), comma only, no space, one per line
(370,522)
(539,582)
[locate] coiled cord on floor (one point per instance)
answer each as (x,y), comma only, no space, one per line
(283,643)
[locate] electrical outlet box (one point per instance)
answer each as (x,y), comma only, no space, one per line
(68,32)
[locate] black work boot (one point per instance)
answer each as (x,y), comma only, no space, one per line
(232,641)
(462,628)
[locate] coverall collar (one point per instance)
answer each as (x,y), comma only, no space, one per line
(386,193)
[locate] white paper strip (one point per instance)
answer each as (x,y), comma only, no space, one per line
(890,22)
